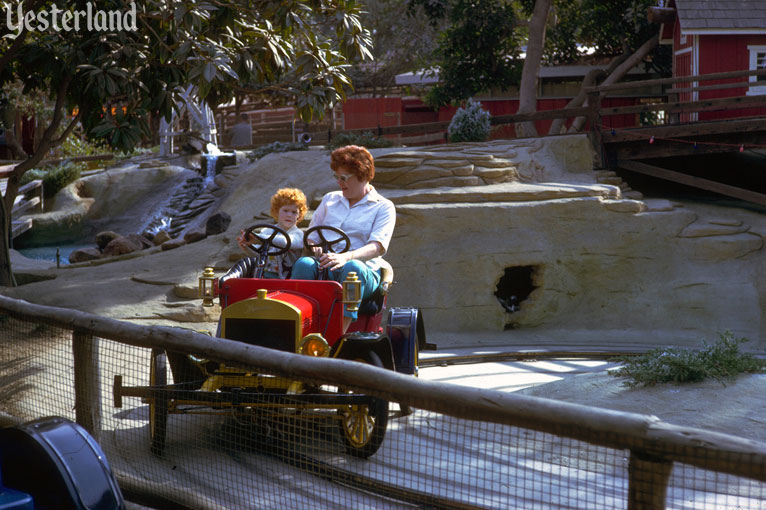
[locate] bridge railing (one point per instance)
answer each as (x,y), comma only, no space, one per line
(446,447)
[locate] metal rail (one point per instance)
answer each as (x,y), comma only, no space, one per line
(522,356)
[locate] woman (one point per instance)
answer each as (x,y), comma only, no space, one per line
(364,215)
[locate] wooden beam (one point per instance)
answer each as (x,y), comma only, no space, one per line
(747,125)
(18,227)
(707,105)
(87,391)
(720,86)
(669,81)
(696,182)
(648,481)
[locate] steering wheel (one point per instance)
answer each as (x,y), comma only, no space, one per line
(326,244)
(264,243)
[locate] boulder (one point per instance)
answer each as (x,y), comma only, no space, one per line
(126,244)
(104,238)
(161,237)
(84,255)
(193,236)
(217,223)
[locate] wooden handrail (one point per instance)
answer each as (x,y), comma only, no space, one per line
(668,81)
(650,440)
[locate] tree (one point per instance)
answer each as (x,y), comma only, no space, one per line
(403,41)
(528,85)
(110,81)
(555,32)
(478,51)
(619,30)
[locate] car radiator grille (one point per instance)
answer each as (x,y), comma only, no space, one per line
(274,334)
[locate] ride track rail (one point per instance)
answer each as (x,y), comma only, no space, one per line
(420,499)
(467,359)
(355,481)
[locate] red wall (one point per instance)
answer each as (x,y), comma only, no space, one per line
(372,112)
(725,53)
(362,113)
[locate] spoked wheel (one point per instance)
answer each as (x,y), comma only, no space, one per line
(364,426)
(158,406)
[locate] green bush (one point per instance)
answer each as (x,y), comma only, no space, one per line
(366,139)
(469,124)
(137,151)
(54,178)
(721,360)
(75,145)
(275,147)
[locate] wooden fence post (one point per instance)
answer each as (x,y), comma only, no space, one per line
(647,481)
(594,118)
(87,391)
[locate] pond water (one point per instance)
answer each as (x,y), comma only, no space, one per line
(49,252)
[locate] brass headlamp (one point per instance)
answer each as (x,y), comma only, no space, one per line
(207,286)
(314,344)
(352,292)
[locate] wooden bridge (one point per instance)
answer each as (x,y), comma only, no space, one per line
(28,199)
(739,126)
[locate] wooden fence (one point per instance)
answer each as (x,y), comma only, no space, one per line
(654,447)
(595,115)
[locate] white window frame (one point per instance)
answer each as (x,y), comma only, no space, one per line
(756,89)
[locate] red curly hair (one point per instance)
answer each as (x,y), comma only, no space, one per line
(288,196)
(354,159)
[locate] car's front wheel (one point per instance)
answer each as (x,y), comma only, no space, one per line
(364,426)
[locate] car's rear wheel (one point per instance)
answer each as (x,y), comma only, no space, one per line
(364,426)
(158,406)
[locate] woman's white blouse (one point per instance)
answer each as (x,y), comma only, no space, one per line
(371,219)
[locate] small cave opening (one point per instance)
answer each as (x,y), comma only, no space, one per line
(515,286)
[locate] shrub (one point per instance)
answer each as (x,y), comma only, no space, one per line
(469,124)
(721,360)
(55,178)
(366,139)
(74,145)
(275,147)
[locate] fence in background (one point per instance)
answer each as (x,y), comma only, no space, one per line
(457,448)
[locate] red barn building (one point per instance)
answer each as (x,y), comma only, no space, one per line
(715,36)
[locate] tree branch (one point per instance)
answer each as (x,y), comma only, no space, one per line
(528,85)
(46,143)
(621,70)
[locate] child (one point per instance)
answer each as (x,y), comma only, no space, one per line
(288,207)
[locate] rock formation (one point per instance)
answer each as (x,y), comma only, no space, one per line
(502,243)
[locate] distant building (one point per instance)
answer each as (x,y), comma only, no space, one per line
(715,36)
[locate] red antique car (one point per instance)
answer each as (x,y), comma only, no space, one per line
(298,316)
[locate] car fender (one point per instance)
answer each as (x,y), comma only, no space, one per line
(355,345)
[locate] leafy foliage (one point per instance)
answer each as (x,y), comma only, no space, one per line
(477,52)
(673,365)
(403,40)
(608,28)
(75,145)
(366,139)
(275,147)
(470,124)
(115,80)
(55,178)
